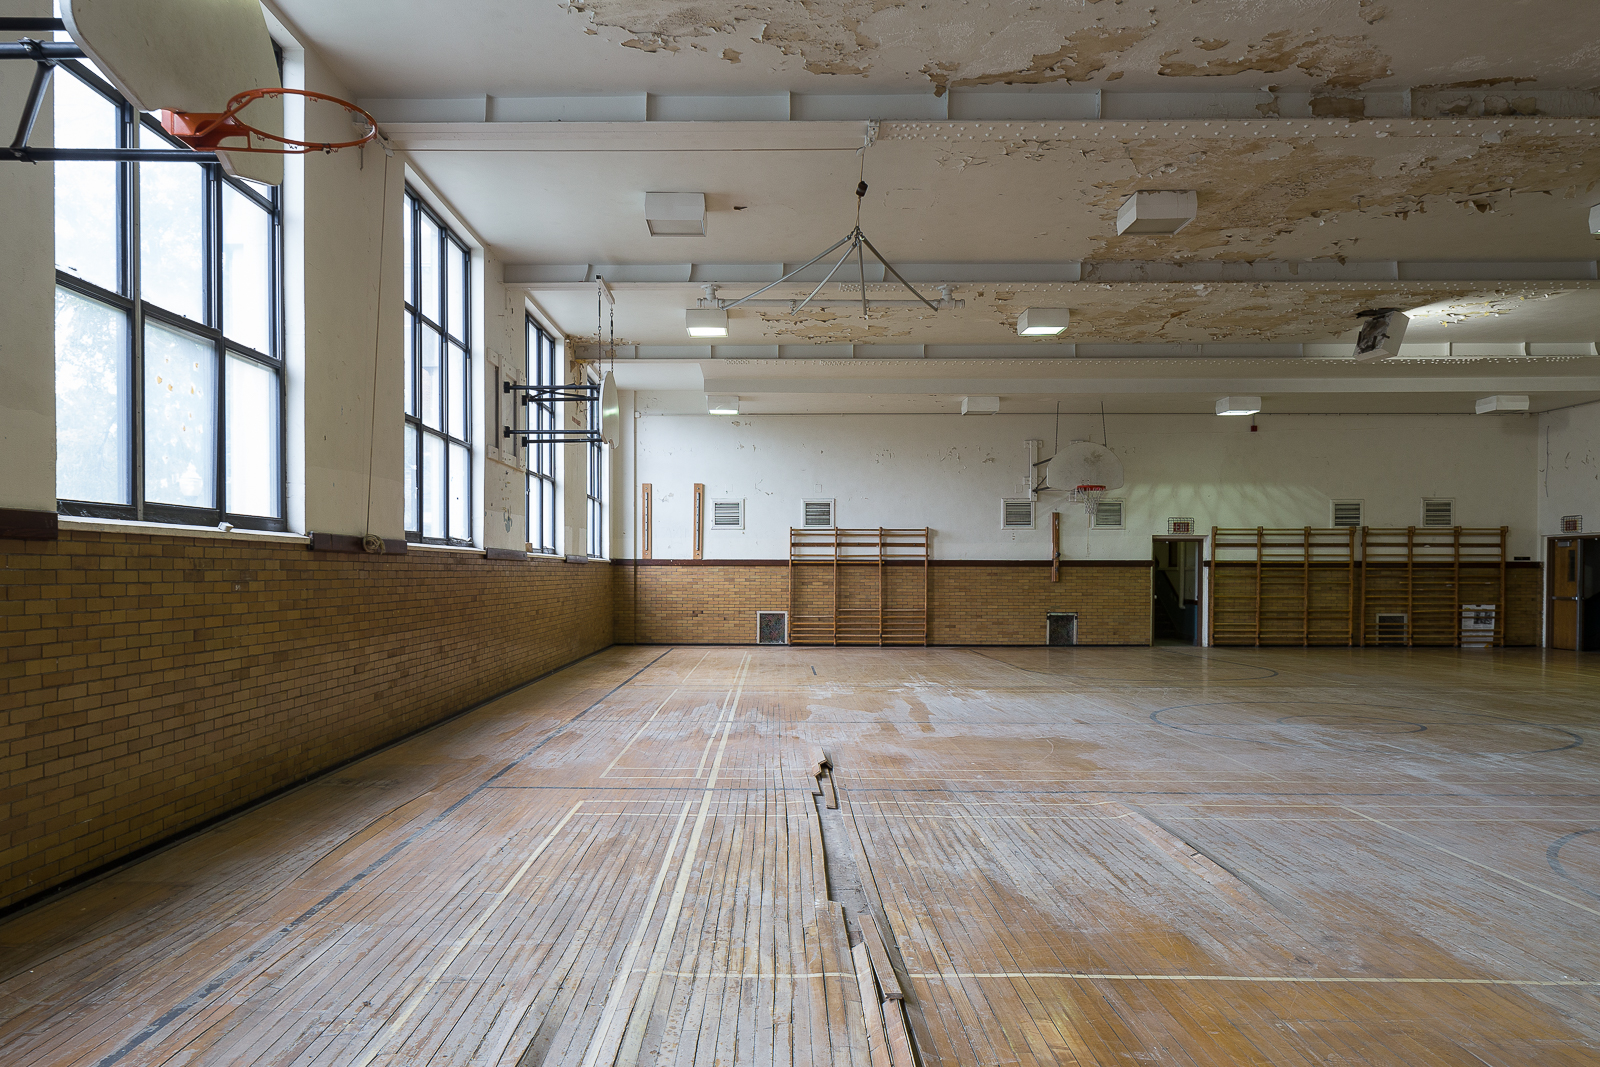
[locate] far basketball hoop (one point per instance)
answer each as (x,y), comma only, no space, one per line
(207,132)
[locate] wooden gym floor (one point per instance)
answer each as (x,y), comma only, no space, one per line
(1087,856)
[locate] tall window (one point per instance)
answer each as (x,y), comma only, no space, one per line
(438,498)
(169,352)
(541,454)
(597,487)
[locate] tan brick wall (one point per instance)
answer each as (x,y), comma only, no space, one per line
(704,605)
(971,605)
(148,683)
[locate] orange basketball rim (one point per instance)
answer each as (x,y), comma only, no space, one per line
(206,131)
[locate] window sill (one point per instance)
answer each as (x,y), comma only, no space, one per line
(167,529)
(463,550)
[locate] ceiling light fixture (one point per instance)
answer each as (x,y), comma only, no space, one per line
(706,322)
(675,214)
(1157,212)
(1239,405)
(1043,322)
(980,405)
(1594,220)
(722,405)
(1489,405)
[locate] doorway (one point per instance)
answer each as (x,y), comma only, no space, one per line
(1573,615)
(1175,590)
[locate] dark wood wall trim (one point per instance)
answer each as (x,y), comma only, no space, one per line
(19,525)
(890,563)
(324,542)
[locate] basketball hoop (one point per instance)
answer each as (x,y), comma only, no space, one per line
(1087,495)
(205,132)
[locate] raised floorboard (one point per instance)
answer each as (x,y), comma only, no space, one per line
(1077,856)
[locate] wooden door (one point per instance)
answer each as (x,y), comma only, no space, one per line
(1564,593)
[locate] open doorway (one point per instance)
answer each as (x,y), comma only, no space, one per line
(1175,588)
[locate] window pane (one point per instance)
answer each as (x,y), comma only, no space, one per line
(253,474)
(411,477)
(458,393)
(430,376)
(86,193)
(411,365)
(460,492)
(456,320)
(408,221)
(180,403)
(246,271)
(93,399)
(171,213)
(432,486)
(428,269)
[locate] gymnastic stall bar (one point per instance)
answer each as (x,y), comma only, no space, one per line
(867,586)
(1289,586)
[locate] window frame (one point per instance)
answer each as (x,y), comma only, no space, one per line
(543,368)
(416,207)
(596,482)
(128,299)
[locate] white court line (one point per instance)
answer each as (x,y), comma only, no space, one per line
(638,936)
(449,957)
(1290,979)
(1476,863)
(633,1035)
(640,732)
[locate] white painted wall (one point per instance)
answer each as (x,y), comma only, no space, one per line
(951,472)
(27,298)
(1569,467)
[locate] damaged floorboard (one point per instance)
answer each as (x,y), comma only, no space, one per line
(1075,856)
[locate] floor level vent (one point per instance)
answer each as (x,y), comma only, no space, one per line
(1061,628)
(772,627)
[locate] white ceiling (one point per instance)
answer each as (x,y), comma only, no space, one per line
(1424,154)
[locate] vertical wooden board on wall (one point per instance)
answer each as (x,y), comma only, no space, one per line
(646,547)
(1055,546)
(699,520)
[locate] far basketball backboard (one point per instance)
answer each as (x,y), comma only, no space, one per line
(186,55)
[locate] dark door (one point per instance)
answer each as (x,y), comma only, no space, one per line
(1564,593)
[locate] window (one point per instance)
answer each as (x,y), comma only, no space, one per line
(1436,512)
(818,513)
(1347,513)
(438,490)
(597,485)
(1017,514)
(727,514)
(169,350)
(541,415)
(1107,515)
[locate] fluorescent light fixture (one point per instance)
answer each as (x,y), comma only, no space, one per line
(980,405)
(1157,212)
(1239,405)
(675,214)
(722,405)
(1594,220)
(1043,322)
(1488,405)
(706,322)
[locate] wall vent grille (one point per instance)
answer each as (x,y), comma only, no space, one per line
(1391,628)
(1437,512)
(772,627)
(818,513)
(1107,515)
(727,514)
(1018,515)
(1347,513)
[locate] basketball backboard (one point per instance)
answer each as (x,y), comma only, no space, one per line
(186,55)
